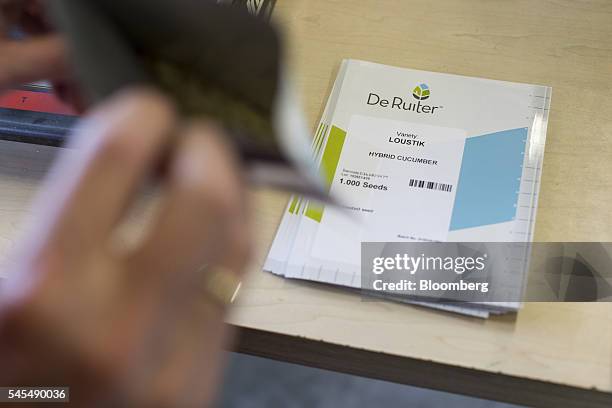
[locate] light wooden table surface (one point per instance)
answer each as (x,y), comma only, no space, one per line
(547,355)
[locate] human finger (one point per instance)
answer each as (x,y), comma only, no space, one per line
(204,198)
(118,145)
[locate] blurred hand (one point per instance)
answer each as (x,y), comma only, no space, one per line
(42,55)
(127,328)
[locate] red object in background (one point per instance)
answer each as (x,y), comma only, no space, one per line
(35,101)
(34,114)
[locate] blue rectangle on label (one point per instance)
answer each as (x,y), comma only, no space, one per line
(489,179)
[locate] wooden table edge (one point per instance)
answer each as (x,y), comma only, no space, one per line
(415,372)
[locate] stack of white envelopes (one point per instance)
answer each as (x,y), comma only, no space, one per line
(416,156)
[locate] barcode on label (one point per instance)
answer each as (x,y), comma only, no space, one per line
(430,185)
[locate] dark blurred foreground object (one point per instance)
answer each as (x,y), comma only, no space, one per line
(32,113)
(216,61)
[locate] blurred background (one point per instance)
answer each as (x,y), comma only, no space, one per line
(254,382)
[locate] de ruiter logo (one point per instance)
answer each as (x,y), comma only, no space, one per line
(419,92)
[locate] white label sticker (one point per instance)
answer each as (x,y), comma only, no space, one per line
(396,181)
